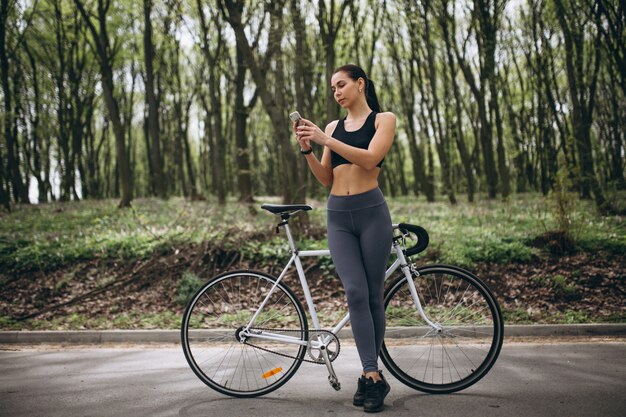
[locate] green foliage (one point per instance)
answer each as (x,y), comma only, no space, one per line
(573,317)
(517,316)
(488,249)
(187,287)
(561,286)
(125,320)
(521,316)
(562,202)
(51,236)
(7,323)
(487,231)
(48,237)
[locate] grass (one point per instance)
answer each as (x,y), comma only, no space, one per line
(76,321)
(171,320)
(496,231)
(50,236)
(62,235)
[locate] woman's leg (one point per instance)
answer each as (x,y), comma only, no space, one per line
(376,235)
(345,249)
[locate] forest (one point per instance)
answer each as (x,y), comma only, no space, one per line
(123,99)
(140,137)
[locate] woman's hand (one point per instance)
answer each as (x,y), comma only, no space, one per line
(305,144)
(308,131)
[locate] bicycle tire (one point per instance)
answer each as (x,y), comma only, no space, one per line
(471,336)
(210,341)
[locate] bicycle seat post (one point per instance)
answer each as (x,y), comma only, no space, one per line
(285,223)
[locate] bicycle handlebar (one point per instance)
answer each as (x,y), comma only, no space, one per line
(420,233)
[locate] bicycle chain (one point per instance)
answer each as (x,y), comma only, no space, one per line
(332,335)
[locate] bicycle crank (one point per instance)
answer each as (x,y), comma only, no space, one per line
(323,340)
(332,377)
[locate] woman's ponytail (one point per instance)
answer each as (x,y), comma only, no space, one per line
(370,96)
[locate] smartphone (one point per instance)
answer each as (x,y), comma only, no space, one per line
(295,117)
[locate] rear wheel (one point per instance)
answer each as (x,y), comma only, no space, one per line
(214,345)
(466,339)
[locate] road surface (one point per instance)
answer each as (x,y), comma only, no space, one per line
(566,379)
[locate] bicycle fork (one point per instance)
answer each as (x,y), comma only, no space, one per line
(409,271)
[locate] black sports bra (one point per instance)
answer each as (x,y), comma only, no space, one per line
(360,138)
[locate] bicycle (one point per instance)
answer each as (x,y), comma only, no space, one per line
(245,333)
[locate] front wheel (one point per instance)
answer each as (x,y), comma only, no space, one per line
(462,341)
(213,336)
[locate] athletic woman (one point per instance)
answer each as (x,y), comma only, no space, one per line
(359,224)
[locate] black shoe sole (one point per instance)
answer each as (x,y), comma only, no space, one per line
(358,403)
(375,410)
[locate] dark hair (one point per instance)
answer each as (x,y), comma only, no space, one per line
(355,72)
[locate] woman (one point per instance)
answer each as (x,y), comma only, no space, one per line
(359,224)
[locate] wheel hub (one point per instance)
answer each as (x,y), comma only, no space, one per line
(238,336)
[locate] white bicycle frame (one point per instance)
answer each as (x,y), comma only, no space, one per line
(295,258)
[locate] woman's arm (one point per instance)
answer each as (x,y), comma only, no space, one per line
(366,158)
(322,170)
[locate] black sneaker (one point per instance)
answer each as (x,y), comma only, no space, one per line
(359,395)
(375,393)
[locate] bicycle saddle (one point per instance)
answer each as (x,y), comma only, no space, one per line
(285,208)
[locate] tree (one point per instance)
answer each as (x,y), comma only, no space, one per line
(582,69)
(274,102)
(485,20)
(13,171)
(448,33)
(441,138)
(157,177)
(330,24)
(213,107)
(611,24)
(105,55)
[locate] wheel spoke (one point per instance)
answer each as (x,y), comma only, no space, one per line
(460,352)
(222,308)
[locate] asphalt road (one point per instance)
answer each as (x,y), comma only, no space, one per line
(529,379)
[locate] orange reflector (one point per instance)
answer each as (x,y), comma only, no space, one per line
(271,373)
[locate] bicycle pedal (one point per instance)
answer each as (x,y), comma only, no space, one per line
(334,382)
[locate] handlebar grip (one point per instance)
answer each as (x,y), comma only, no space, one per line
(422,238)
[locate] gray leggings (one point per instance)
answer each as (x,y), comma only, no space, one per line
(359,239)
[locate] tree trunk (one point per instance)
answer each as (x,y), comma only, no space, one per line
(214,113)
(191,172)
(440,138)
(82,96)
(503,169)
(303,82)
(20,190)
(423,116)
(63,115)
(615,134)
(35,139)
(158,178)
(244,170)
(219,150)
(444,21)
